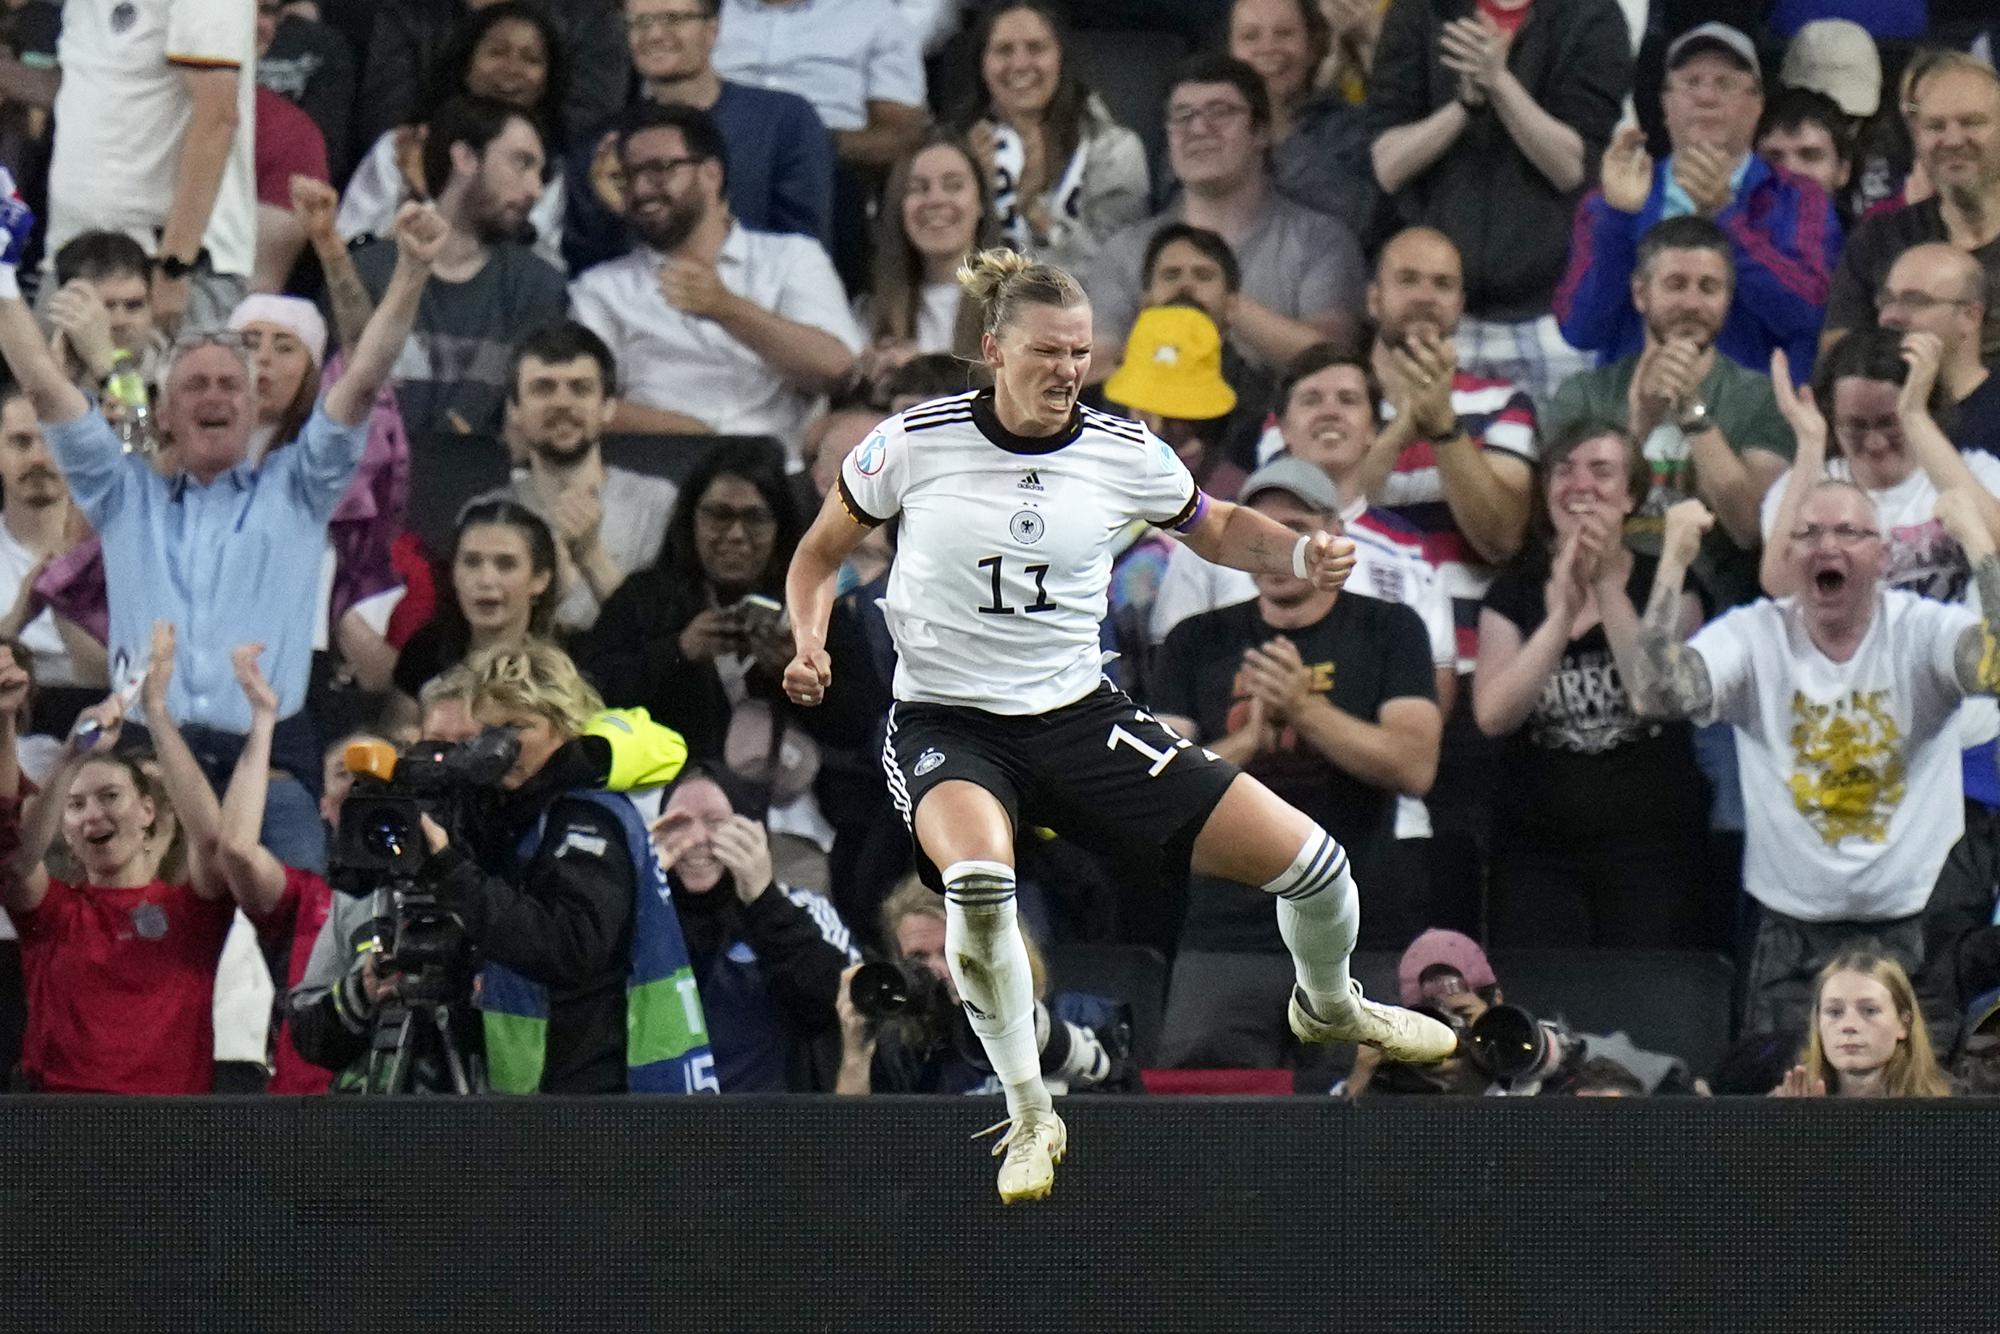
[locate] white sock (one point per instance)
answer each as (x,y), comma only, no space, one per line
(1319,916)
(989,962)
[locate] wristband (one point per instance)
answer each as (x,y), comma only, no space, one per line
(1299,558)
(10,283)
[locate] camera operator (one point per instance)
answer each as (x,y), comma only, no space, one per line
(562,902)
(1503,1050)
(925,1045)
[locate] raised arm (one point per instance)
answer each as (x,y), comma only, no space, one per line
(1927,443)
(56,400)
(25,880)
(314,204)
(833,537)
(187,786)
(255,877)
(21,886)
(1774,571)
(1670,680)
(420,233)
(1976,656)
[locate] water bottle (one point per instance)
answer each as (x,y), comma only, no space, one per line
(127,388)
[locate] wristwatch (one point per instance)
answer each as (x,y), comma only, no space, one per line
(174,268)
(1694,418)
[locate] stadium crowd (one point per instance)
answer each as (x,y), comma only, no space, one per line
(395,369)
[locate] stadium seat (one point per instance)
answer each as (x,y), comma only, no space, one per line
(1244,1083)
(670,456)
(1131,71)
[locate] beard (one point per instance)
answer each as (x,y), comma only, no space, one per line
(560,455)
(493,223)
(665,232)
(1697,331)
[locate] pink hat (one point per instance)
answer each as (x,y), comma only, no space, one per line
(302,318)
(1433,948)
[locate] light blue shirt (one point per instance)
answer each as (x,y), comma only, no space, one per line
(235,561)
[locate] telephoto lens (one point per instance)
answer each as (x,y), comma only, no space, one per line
(879,990)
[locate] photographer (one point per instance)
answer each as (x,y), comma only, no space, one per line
(928,1047)
(1503,1050)
(767,955)
(563,907)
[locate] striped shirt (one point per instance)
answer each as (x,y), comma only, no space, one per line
(1498,417)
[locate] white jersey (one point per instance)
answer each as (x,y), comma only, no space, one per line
(1004,552)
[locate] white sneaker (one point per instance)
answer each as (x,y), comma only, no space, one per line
(1033,1145)
(1399,1034)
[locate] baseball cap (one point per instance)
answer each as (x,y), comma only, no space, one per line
(1173,366)
(1292,474)
(1460,953)
(1836,57)
(1719,38)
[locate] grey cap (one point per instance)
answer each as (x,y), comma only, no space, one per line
(1292,474)
(1718,37)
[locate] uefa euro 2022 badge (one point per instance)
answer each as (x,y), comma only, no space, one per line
(149,921)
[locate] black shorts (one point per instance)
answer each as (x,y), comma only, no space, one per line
(1102,772)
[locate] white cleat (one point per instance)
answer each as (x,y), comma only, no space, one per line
(1399,1034)
(1032,1146)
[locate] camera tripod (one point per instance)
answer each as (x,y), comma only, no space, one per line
(399,1033)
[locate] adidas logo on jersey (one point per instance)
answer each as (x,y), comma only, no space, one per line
(1031,482)
(928,761)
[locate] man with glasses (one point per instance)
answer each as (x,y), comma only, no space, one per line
(1955,121)
(780,156)
(1302,273)
(1938,289)
(1845,700)
(1782,232)
(722,328)
(221,547)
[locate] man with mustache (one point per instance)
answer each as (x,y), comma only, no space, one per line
(724,329)
(1957,133)
(1783,235)
(38,523)
(483,165)
(608,521)
(1709,427)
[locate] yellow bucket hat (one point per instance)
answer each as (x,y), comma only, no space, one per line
(1173,367)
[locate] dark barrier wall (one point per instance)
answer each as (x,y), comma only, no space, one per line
(822,1215)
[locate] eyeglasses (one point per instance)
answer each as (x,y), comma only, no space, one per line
(659,170)
(1726,85)
(1843,534)
(721,518)
(229,338)
(1212,115)
(640,24)
(1917,302)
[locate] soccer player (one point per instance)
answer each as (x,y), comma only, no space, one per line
(1010,500)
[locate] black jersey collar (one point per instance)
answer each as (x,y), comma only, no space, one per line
(988,422)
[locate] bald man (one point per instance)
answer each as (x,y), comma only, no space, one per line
(1937,288)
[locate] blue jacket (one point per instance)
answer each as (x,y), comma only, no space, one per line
(1785,238)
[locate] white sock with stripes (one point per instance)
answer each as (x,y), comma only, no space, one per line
(1319,916)
(989,962)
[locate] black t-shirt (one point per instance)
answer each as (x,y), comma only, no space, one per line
(431,649)
(1584,761)
(1877,243)
(1363,653)
(1975,419)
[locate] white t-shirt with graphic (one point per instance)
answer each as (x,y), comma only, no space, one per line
(1851,782)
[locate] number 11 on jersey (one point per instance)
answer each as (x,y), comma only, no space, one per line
(999,607)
